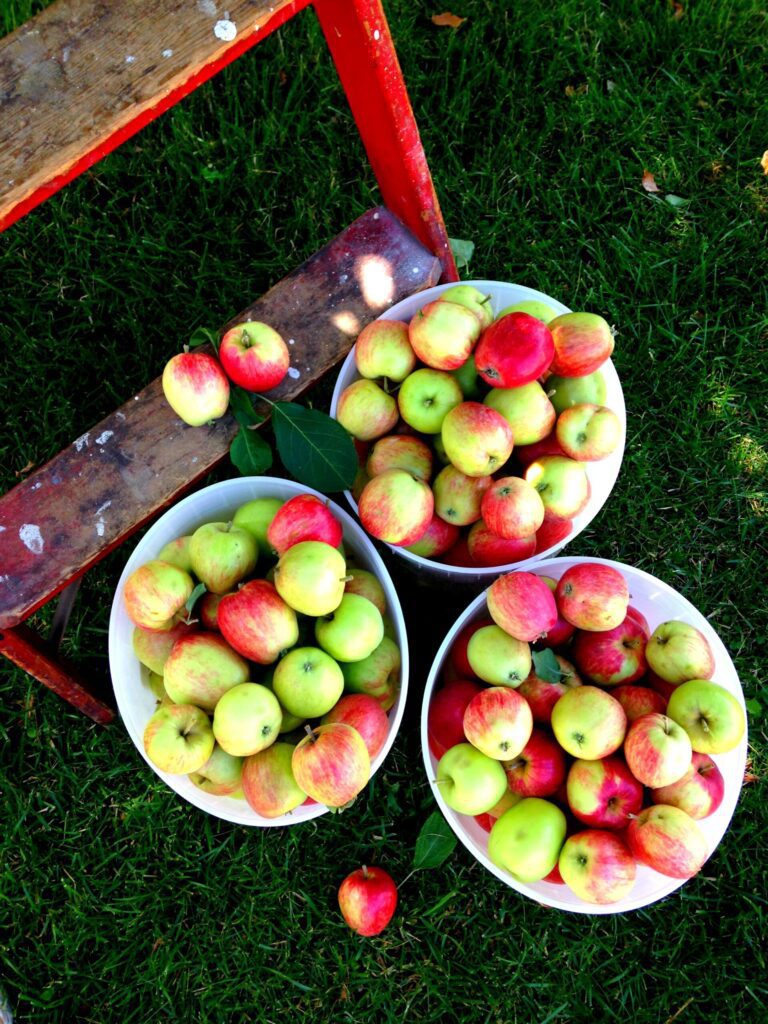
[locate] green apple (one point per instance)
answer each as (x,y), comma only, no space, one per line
(533,307)
(222,555)
(351,632)
(289,721)
(307,682)
(220,775)
(562,484)
(176,552)
(469,380)
(677,651)
(157,686)
(471,297)
(152,648)
(425,398)
(478,440)
(443,334)
(310,577)
(201,668)
(247,719)
(268,782)
(527,839)
(377,675)
(711,715)
(563,392)
(178,738)
(527,410)
(458,496)
(498,658)
(255,517)
(382,349)
(154,593)
(366,410)
(588,432)
(470,782)
(589,723)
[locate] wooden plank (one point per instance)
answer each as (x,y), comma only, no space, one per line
(111,480)
(84,75)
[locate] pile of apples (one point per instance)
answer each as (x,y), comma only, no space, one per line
(601,762)
(473,432)
(271,654)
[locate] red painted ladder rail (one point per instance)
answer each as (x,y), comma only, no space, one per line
(116,477)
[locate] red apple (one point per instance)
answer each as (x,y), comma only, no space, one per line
(254,356)
(552,531)
(365,714)
(438,538)
(668,840)
(661,686)
(658,750)
(539,769)
(543,695)
(331,764)
(525,454)
(699,792)
(592,596)
(611,656)
(486,548)
(445,718)
(640,619)
(588,432)
(562,631)
(523,605)
(639,700)
(367,900)
(498,722)
(603,793)
(208,610)
(582,342)
(257,622)
(597,866)
(400,451)
(396,507)
(512,508)
(303,517)
(459,555)
(514,350)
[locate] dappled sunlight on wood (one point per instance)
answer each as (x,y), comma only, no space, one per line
(374,274)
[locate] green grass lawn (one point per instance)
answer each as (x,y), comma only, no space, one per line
(119,902)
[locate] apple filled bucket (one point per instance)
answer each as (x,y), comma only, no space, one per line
(258,652)
(490,425)
(584,733)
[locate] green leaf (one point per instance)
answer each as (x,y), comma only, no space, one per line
(204,336)
(435,843)
(250,453)
(546,666)
(314,448)
(754,707)
(462,251)
(675,200)
(242,407)
(194,597)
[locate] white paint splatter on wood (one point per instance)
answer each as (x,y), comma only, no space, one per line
(225,30)
(82,442)
(31,538)
(293,372)
(167,53)
(207,7)
(101,508)
(104,437)
(130,59)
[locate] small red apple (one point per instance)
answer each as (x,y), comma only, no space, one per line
(367,900)
(539,769)
(514,350)
(254,356)
(303,517)
(445,718)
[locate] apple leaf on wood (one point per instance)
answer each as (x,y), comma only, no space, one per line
(462,251)
(242,408)
(546,666)
(250,453)
(435,843)
(314,448)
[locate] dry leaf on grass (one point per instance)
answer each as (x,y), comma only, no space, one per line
(447,19)
(677,10)
(577,90)
(764,162)
(649,182)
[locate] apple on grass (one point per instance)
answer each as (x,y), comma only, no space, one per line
(678,652)
(310,577)
(699,792)
(443,334)
(366,411)
(154,593)
(512,508)
(396,507)
(221,775)
(425,398)
(561,482)
(222,555)
(254,356)
(268,782)
(657,749)
(255,516)
(377,675)
(527,409)
(365,714)
(303,517)
(477,439)
(589,723)
(597,866)
(331,764)
(246,719)
(668,840)
(498,658)
(367,900)
(257,622)
(195,387)
(542,695)
(523,605)
(582,342)
(487,548)
(469,781)
(603,793)
(514,351)
(588,432)
(445,717)
(382,349)
(307,682)
(592,596)
(458,497)
(639,700)
(498,721)
(526,840)
(400,451)
(611,656)
(710,715)
(201,668)
(539,768)
(178,738)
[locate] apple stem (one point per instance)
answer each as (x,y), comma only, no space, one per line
(309,731)
(366,872)
(346,579)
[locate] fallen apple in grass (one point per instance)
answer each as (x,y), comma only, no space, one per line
(367,900)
